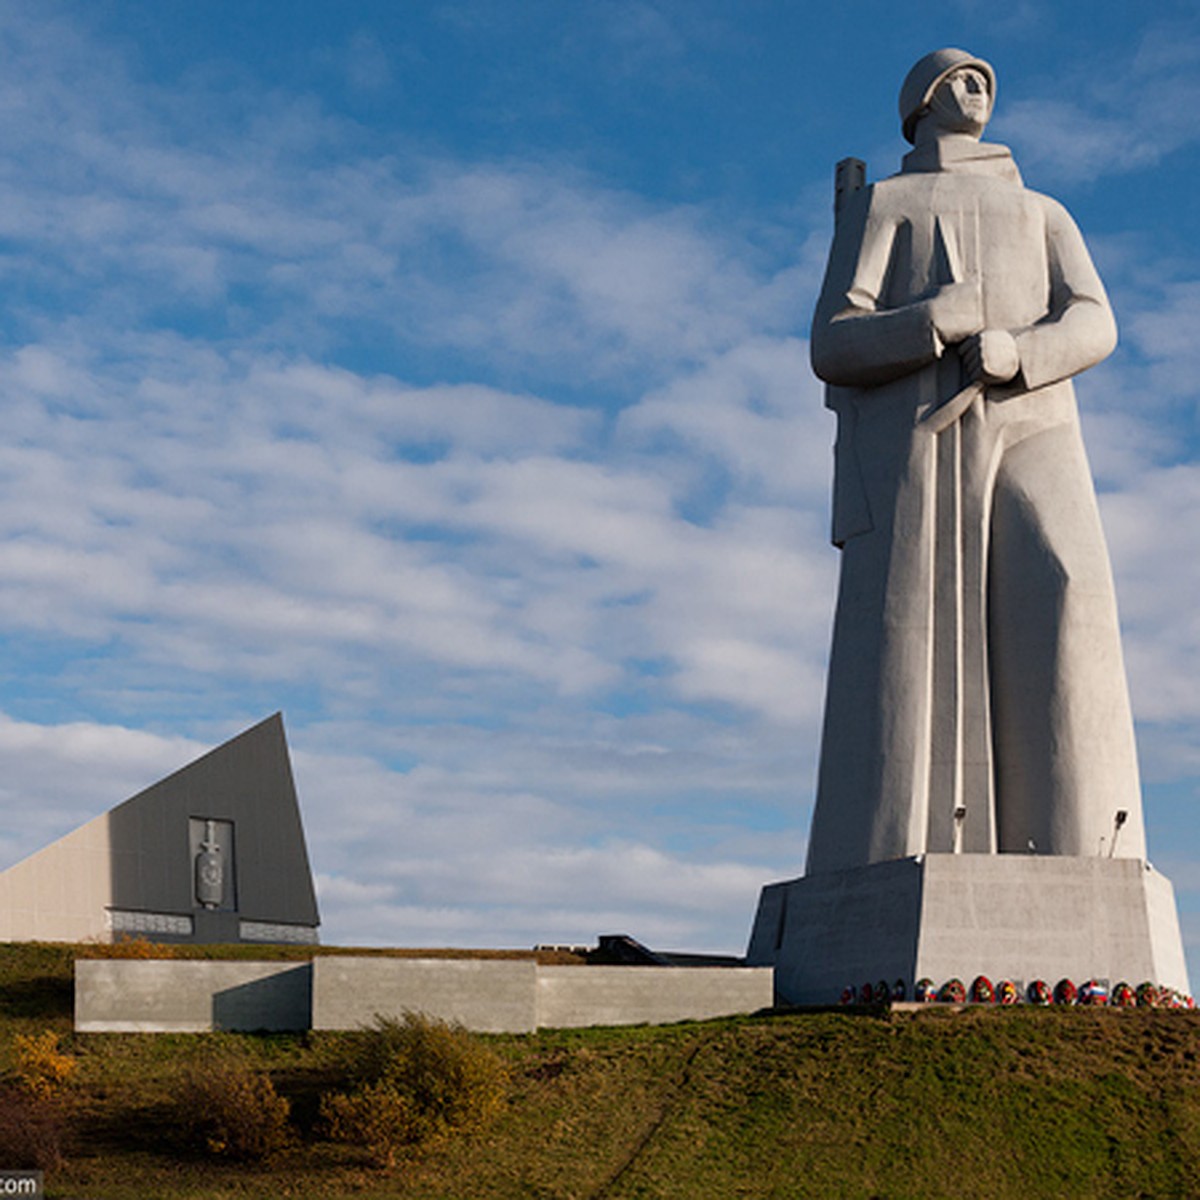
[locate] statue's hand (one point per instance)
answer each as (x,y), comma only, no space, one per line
(957,310)
(990,356)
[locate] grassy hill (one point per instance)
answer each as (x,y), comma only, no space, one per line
(987,1102)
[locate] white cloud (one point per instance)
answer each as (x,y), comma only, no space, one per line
(756,410)
(526,833)
(1156,548)
(1127,113)
(271,512)
(367,63)
(59,776)
(1164,333)
(126,207)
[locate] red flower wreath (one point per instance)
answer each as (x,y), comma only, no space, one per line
(981,990)
(953,992)
(1065,992)
(1122,996)
(1039,992)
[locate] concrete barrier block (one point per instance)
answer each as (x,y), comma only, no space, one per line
(485,995)
(570,997)
(169,996)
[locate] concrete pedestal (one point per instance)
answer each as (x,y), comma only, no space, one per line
(1006,916)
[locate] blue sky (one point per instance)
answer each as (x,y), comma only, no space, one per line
(437,374)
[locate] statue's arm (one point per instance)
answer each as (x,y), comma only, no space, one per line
(1078,330)
(855,342)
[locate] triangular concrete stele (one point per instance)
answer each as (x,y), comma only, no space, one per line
(213,852)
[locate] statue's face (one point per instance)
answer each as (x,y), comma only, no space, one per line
(962,102)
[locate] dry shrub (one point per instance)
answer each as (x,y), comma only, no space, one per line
(375,1116)
(227,1110)
(127,946)
(31,1132)
(40,1067)
(414,1081)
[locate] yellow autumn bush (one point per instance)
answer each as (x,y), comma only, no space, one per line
(412,1082)
(41,1068)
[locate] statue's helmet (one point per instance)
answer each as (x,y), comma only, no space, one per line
(922,81)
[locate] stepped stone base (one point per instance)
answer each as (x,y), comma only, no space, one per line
(1006,916)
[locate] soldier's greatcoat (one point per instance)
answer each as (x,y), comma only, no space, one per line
(976,661)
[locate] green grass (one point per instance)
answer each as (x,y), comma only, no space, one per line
(981,1103)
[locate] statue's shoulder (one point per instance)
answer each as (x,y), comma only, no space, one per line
(1053,208)
(899,191)
(1054,214)
(902,183)
(883,204)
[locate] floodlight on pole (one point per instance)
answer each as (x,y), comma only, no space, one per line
(960,815)
(1119,819)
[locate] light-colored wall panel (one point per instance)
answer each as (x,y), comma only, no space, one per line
(178,996)
(570,997)
(487,995)
(61,893)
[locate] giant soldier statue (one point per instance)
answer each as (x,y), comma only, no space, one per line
(978,808)
(976,696)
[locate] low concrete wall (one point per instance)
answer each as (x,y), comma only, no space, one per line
(181,996)
(569,997)
(486,995)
